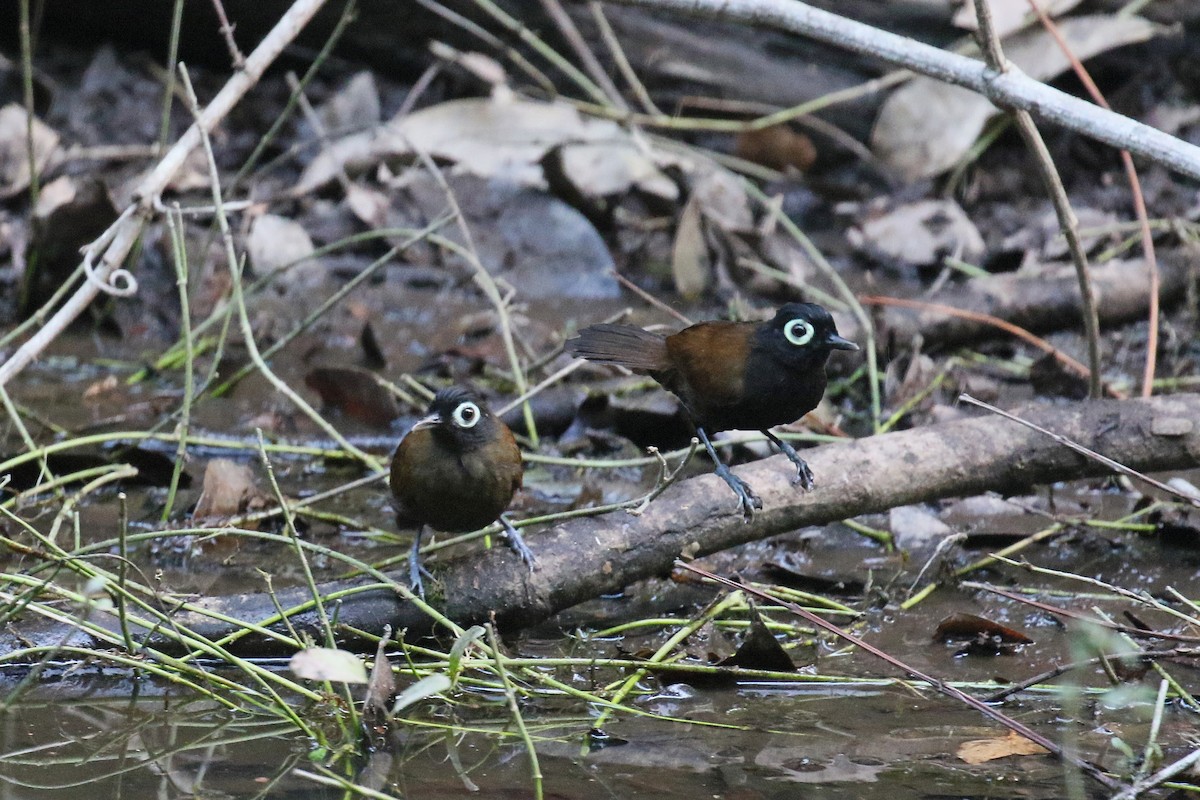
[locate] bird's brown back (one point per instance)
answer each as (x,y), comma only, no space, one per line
(707,366)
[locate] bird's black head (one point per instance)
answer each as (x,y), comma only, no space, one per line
(460,417)
(802,333)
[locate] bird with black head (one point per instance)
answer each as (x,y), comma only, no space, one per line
(457,471)
(732,375)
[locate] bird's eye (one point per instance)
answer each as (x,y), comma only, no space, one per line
(466,415)
(799,332)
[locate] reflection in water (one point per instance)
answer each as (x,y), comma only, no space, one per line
(756,741)
(163,747)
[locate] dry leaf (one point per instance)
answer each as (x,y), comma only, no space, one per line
(958,627)
(14,150)
(916,527)
(689,255)
(354,392)
(100,387)
(978,751)
(760,649)
(920,233)
(328,664)
(1009,16)
(381,687)
(488,137)
(369,205)
(926,126)
(276,242)
(193,174)
(597,170)
(723,200)
(353,107)
(70,213)
(228,488)
(778,147)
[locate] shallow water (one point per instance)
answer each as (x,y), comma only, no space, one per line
(124,735)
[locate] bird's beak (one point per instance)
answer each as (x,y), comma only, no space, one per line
(432,421)
(838,343)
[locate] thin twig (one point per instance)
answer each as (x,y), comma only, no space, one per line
(518,28)
(995,322)
(1115,466)
(175,228)
(26,36)
(651,299)
(1012,89)
(1138,633)
(164,124)
(1162,776)
(518,58)
(1067,221)
(119,239)
(1135,189)
(566,26)
(937,685)
(1062,669)
(768,111)
(226,29)
(510,693)
(486,283)
(239,299)
(618,54)
(289,524)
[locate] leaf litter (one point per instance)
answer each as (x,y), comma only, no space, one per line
(547,203)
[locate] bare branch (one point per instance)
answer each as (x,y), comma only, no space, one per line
(583,558)
(118,240)
(1011,89)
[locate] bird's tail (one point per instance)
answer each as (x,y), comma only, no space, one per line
(623,345)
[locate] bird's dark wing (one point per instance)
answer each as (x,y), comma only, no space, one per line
(623,345)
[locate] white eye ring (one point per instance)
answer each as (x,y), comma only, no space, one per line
(799,332)
(466,415)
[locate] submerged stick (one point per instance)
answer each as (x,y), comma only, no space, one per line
(584,558)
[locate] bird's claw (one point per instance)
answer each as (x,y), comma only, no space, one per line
(518,544)
(522,550)
(414,579)
(748,501)
(804,475)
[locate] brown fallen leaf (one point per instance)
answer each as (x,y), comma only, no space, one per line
(101,387)
(355,392)
(229,487)
(978,751)
(960,627)
(778,147)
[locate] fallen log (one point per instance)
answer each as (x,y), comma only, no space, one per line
(1042,301)
(583,558)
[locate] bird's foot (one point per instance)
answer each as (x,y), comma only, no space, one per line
(748,501)
(518,544)
(804,474)
(414,579)
(416,569)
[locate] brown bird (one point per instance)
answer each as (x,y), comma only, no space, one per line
(457,471)
(732,375)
